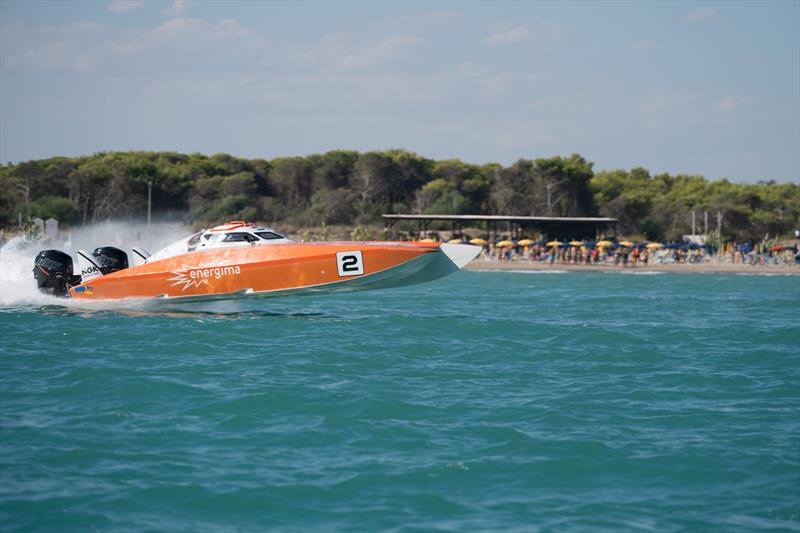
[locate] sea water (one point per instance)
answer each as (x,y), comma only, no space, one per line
(486,401)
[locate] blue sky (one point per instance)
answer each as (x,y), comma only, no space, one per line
(708,88)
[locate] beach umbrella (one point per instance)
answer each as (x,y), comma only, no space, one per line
(554,243)
(641,245)
(576,243)
(455,241)
(525,242)
(654,246)
(428,240)
(626,244)
(564,245)
(504,244)
(604,244)
(479,242)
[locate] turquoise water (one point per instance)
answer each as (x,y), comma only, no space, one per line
(483,402)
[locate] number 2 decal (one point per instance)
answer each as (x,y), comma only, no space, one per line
(350,263)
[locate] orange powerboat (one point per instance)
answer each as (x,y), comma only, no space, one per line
(240,259)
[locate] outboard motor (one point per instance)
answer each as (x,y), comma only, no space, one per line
(53,272)
(110,259)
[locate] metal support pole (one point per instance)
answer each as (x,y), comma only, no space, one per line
(149,202)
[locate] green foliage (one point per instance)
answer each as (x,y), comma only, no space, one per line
(660,207)
(61,209)
(332,207)
(241,184)
(545,187)
(344,187)
(361,233)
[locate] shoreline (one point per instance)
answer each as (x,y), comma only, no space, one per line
(690,268)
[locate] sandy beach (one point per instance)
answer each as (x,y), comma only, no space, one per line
(689,268)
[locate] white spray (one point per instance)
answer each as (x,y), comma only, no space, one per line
(17,285)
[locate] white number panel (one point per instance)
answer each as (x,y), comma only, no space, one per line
(350,263)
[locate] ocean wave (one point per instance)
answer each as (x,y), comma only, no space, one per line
(642,273)
(520,271)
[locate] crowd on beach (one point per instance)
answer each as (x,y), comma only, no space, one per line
(642,254)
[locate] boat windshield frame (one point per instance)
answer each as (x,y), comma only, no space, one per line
(208,239)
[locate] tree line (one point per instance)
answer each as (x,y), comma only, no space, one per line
(344,187)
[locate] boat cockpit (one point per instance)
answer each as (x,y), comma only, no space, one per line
(231,234)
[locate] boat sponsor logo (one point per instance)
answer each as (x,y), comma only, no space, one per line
(90,272)
(194,276)
(350,263)
(85,289)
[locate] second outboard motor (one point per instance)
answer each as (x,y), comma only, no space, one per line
(110,259)
(53,272)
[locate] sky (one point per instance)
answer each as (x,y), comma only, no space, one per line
(709,88)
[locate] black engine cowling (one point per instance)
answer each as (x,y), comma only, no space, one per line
(53,272)
(110,259)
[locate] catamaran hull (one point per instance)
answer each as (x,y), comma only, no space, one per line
(280,270)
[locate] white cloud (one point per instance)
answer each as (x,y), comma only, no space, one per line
(507,36)
(653,110)
(64,47)
(89,46)
(492,85)
(178,8)
(231,27)
(178,25)
(342,51)
(730,103)
(469,69)
(124,6)
(653,104)
(701,15)
(413,23)
(506,33)
(84,46)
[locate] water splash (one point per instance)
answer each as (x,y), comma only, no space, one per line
(17,285)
